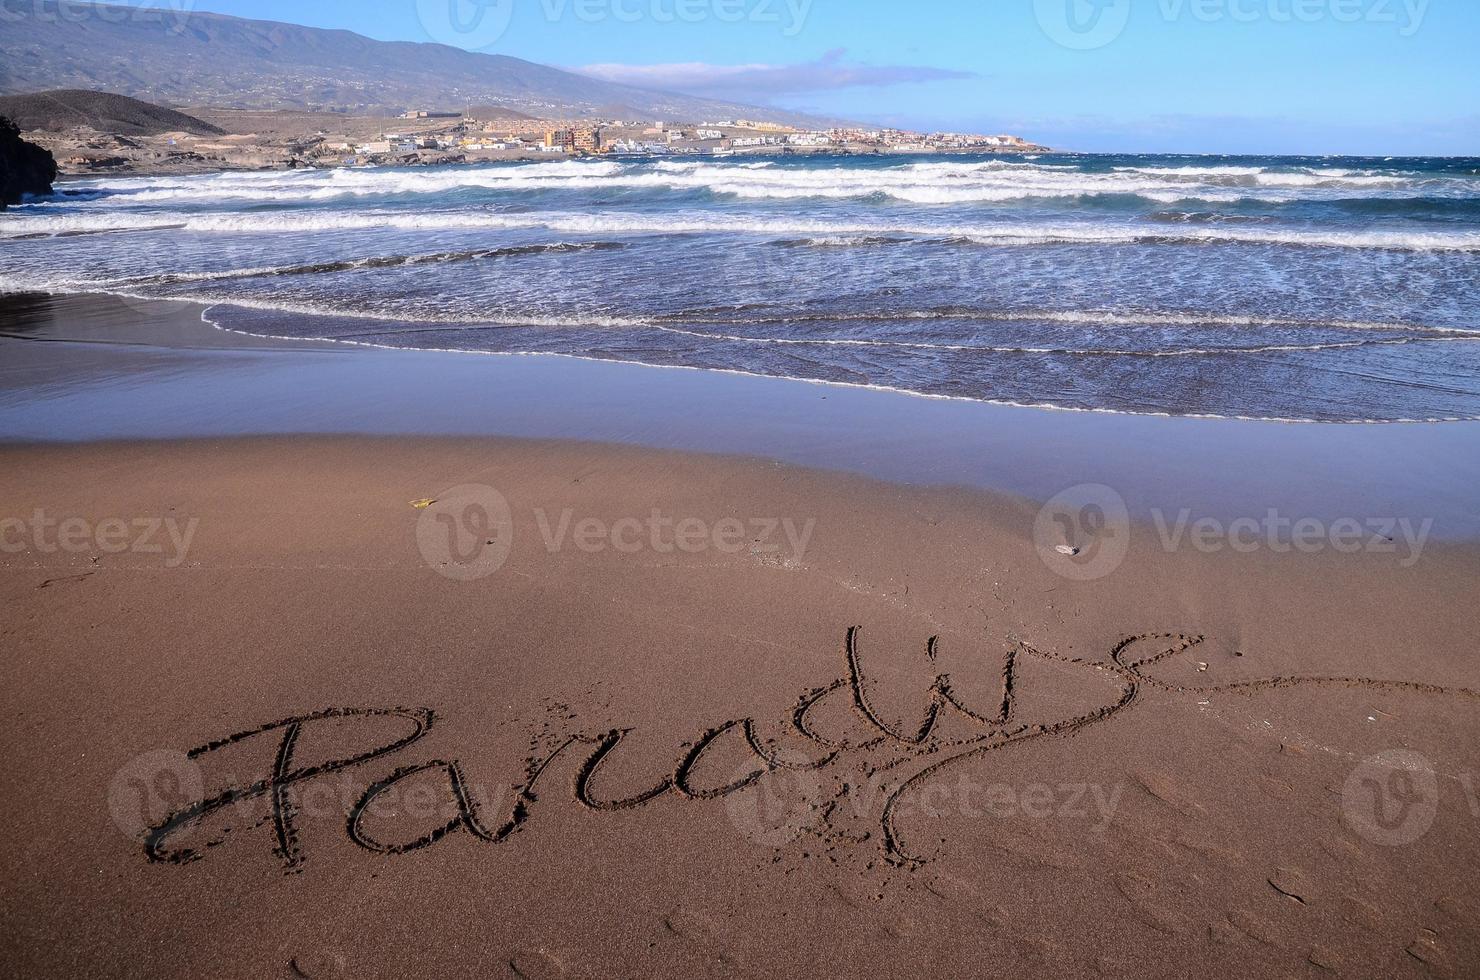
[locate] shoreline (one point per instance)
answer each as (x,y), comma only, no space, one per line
(165,374)
(756,656)
(204,309)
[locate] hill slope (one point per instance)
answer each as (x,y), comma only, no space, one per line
(194,58)
(103,111)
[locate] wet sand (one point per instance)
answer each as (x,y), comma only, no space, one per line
(99,368)
(424,703)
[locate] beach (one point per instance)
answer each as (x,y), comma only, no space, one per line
(739,489)
(1263,288)
(335,661)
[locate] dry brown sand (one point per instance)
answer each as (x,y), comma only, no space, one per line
(849,729)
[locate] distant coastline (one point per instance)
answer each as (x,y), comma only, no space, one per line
(170,169)
(104,134)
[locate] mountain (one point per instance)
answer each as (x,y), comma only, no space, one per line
(181,57)
(103,111)
(497,112)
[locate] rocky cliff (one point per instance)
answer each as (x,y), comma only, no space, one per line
(25,168)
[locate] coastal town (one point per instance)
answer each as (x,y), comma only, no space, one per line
(198,139)
(501,134)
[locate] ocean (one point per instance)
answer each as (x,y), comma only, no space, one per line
(1302,289)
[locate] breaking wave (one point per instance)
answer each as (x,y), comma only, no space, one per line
(1331,289)
(934,183)
(681,223)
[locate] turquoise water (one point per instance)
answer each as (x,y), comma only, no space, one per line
(1326,289)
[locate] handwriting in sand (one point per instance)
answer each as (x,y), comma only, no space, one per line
(932,751)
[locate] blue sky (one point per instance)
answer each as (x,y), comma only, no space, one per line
(1273,76)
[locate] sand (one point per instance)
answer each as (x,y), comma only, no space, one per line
(649,712)
(350,663)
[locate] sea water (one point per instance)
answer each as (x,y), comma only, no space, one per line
(1312,289)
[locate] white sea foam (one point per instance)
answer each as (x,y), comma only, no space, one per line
(1062,351)
(1161,318)
(690,223)
(929,183)
(692,323)
(852,385)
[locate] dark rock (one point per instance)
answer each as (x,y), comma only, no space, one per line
(25,168)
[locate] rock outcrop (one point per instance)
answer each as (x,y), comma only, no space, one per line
(25,168)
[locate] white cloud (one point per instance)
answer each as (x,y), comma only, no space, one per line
(753,81)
